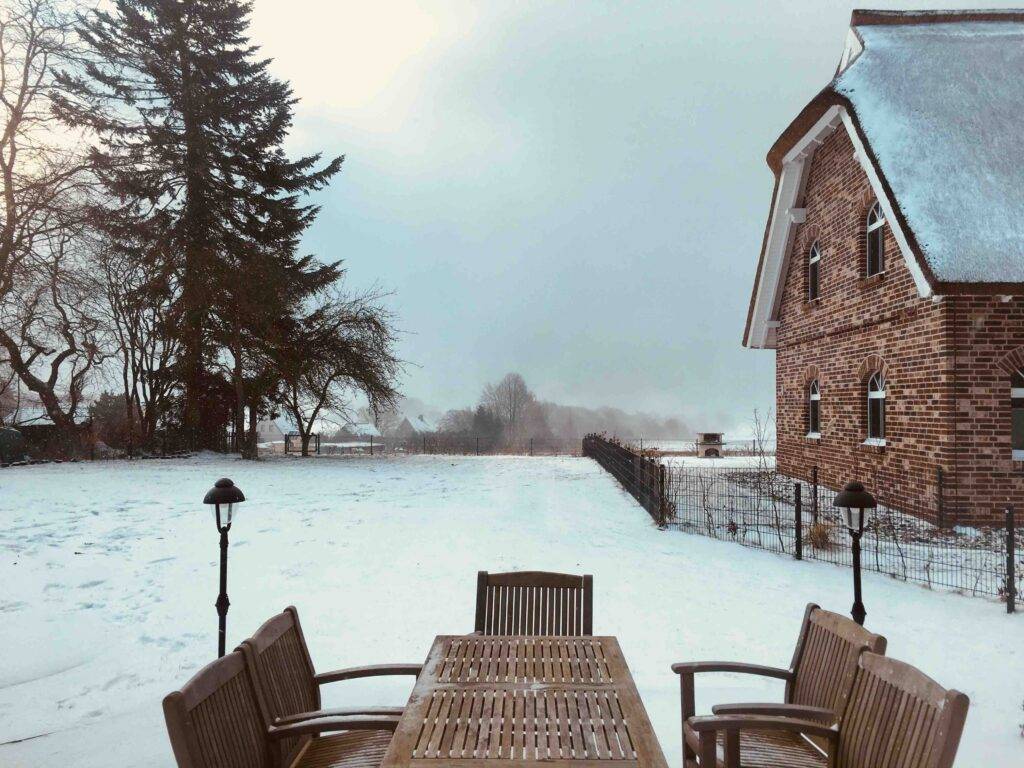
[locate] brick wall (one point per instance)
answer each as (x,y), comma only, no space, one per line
(947,402)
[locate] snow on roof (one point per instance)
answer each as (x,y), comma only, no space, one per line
(364,429)
(423,424)
(940,105)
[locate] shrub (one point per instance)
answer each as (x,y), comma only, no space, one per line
(819,536)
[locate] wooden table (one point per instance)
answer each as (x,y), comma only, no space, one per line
(513,702)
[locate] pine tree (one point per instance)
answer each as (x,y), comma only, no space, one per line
(191,125)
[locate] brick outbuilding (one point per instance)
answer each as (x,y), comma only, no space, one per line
(891,277)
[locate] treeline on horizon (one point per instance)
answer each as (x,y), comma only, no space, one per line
(509,413)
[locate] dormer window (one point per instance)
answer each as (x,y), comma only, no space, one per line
(813,271)
(875,241)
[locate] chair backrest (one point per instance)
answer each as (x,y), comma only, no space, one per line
(283,670)
(825,660)
(898,717)
(217,719)
(534,603)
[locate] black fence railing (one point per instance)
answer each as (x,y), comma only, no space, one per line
(641,476)
(470,445)
(758,507)
(428,444)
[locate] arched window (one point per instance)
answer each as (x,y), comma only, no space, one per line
(813,269)
(875,244)
(1017,409)
(813,409)
(876,408)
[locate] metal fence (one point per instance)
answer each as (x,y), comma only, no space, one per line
(469,445)
(758,507)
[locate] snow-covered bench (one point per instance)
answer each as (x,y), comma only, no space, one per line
(818,680)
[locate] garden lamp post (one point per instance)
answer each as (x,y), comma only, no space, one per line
(855,503)
(224,496)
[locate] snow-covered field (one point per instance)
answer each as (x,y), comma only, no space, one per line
(108,575)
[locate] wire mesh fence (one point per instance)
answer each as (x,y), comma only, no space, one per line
(758,507)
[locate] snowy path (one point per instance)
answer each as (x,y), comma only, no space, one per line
(108,575)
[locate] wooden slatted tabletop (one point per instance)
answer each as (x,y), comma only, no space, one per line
(519,701)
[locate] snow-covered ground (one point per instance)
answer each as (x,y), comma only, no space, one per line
(108,575)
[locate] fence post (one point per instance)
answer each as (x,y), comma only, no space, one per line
(1011,555)
(814,490)
(938,492)
(531,446)
(798,521)
(371,445)
(662,506)
(424,444)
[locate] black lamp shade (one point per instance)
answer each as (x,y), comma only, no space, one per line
(853,500)
(224,492)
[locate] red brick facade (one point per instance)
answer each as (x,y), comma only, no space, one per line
(946,360)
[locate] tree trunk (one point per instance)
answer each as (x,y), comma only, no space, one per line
(194,247)
(251,451)
(239,382)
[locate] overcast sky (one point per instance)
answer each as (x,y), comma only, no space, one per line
(576,191)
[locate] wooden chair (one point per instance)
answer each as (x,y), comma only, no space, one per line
(534,603)
(818,679)
(279,658)
(219,720)
(896,717)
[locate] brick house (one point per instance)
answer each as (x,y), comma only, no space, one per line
(891,277)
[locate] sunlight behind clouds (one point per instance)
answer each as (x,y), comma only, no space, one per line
(358,60)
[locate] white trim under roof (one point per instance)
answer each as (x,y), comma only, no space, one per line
(789,198)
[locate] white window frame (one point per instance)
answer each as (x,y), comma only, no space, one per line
(874,210)
(814,260)
(877,393)
(813,396)
(1016,393)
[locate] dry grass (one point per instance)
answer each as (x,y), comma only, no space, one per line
(818,536)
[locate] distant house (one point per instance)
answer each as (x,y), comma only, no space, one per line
(362,432)
(890,283)
(272,430)
(414,426)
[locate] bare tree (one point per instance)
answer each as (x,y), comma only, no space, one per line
(343,346)
(138,306)
(509,400)
(49,331)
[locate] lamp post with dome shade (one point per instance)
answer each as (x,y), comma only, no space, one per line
(224,496)
(856,503)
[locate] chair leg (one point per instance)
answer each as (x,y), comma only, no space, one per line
(689,710)
(708,756)
(732,749)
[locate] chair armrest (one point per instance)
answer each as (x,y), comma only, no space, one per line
(371,670)
(693,667)
(712,723)
(819,714)
(339,723)
(338,712)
